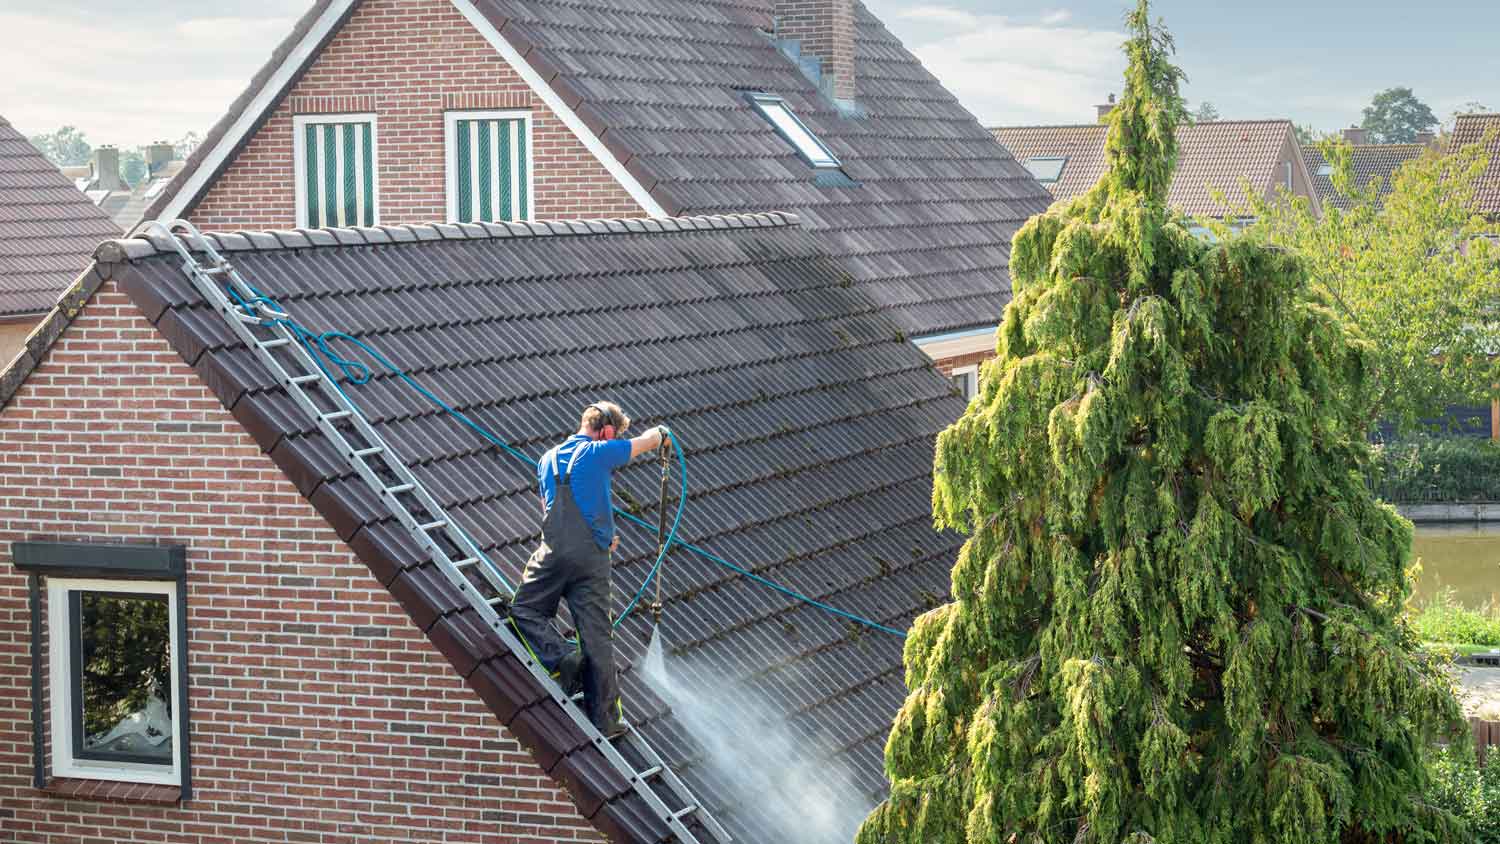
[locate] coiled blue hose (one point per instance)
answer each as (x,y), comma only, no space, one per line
(355,372)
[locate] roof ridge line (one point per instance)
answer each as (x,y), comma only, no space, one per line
(146,244)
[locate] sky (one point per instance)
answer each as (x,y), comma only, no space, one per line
(128,73)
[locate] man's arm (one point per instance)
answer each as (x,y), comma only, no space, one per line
(649,441)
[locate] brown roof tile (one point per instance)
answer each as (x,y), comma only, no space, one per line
(1367,162)
(1472,129)
(48,229)
(1212,157)
(808,417)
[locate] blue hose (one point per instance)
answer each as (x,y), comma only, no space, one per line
(356,372)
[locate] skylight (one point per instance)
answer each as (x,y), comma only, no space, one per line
(1325,169)
(1046,168)
(775,109)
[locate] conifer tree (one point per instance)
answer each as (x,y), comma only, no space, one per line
(1177,615)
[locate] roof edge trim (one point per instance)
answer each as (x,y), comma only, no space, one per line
(146,244)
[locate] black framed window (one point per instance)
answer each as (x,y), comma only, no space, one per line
(115,705)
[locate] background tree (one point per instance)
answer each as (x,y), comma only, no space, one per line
(1470,107)
(1205,112)
(187,144)
(67,146)
(1177,616)
(1307,135)
(1396,116)
(1411,270)
(132,166)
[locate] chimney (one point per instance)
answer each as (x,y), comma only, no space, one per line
(159,155)
(107,168)
(824,30)
(1425,138)
(1356,136)
(1103,109)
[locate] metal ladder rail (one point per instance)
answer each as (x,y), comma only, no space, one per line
(203,278)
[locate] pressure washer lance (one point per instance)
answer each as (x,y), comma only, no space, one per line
(661,526)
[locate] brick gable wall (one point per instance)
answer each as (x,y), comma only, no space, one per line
(319,713)
(408,61)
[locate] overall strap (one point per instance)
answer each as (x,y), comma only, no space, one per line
(565,476)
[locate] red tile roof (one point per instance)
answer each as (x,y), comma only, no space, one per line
(1472,129)
(1212,157)
(48,228)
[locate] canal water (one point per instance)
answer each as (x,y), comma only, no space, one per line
(1463,558)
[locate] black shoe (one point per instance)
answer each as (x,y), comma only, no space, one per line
(569,672)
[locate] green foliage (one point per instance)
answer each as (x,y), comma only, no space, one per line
(132,166)
(1177,617)
(1429,468)
(1472,793)
(1307,135)
(1396,116)
(1445,620)
(67,146)
(1411,270)
(125,642)
(1205,112)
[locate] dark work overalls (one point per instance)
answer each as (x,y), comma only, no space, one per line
(570,565)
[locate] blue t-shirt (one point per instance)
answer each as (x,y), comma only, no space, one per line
(594,463)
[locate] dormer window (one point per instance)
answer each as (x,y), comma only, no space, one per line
(787,124)
(1046,169)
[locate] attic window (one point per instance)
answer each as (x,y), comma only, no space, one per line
(1046,168)
(1325,169)
(775,110)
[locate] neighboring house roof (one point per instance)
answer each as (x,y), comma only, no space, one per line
(48,229)
(1212,157)
(1472,129)
(1367,162)
(808,420)
(125,207)
(661,84)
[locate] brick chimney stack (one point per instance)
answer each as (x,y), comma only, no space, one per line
(1103,109)
(159,155)
(1426,139)
(1356,136)
(107,168)
(824,30)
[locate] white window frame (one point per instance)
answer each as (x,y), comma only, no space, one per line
(765,102)
(299,157)
(970,375)
(450,154)
(1062,163)
(59,644)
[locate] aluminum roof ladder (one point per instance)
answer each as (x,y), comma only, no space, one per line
(378,466)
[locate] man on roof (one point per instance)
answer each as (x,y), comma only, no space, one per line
(573,562)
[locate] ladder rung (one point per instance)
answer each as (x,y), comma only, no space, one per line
(273,342)
(369,452)
(650,773)
(683,812)
(299,380)
(440,523)
(219,270)
(337,415)
(469,561)
(498,599)
(399,488)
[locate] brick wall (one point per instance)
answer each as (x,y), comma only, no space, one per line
(948,364)
(407,61)
(319,713)
(826,30)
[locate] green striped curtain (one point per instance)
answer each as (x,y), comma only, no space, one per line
(490,170)
(339,167)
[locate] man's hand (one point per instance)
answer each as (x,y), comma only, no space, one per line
(649,441)
(614,543)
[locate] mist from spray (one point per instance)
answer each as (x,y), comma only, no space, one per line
(773,768)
